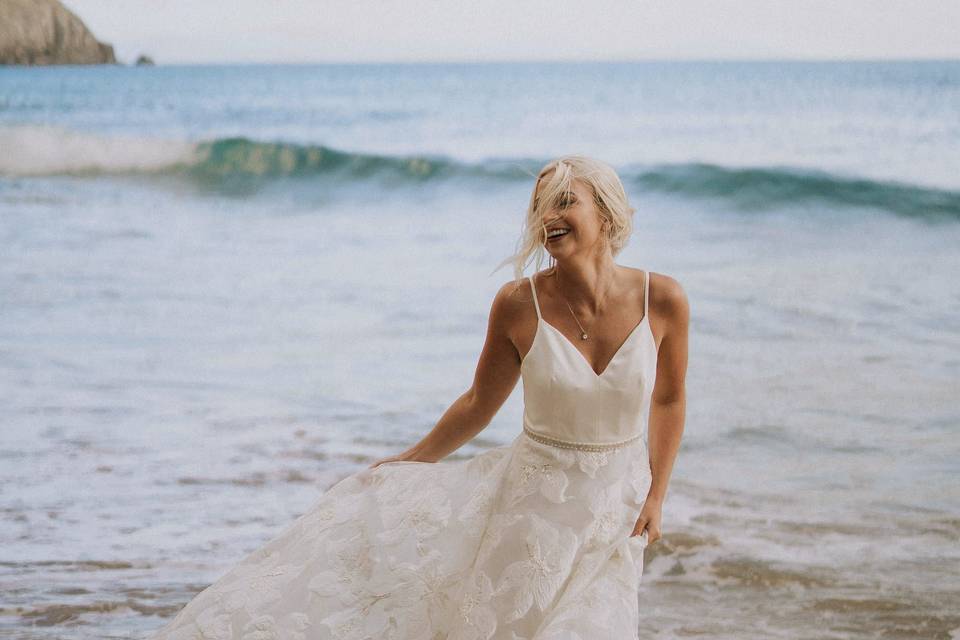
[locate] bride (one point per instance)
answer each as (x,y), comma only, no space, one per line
(539,539)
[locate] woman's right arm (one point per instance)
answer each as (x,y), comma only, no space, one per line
(497,372)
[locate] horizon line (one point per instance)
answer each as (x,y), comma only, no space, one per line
(534,61)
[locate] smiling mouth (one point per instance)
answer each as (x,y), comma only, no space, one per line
(557,233)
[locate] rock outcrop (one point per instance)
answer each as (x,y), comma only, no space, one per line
(144,60)
(46,32)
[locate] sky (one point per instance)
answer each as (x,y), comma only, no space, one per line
(223,31)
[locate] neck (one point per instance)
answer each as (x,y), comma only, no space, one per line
(587,283)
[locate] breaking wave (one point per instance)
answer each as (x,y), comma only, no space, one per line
(48,151)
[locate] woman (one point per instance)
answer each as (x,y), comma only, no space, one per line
(542,538)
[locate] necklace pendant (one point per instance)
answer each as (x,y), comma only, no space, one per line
(583,336)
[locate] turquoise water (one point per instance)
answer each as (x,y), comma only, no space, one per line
(224,288)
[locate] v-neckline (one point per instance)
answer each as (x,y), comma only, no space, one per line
(583,358)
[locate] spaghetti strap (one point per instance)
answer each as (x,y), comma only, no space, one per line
(533,289)
(646,293)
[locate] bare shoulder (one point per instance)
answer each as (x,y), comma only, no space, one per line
(510,301)
(668,299)
(512,293)
(512,322)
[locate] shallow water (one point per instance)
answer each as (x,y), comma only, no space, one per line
(216,303)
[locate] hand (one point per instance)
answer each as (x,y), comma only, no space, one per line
(400,457)
(649,519)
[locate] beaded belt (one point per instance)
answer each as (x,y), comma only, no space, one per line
(582,446)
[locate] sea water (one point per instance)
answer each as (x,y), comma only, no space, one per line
(223,288)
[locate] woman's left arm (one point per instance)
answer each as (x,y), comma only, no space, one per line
(668,403)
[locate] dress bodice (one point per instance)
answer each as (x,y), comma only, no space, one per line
(568,403)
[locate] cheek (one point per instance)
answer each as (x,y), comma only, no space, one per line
(587,227)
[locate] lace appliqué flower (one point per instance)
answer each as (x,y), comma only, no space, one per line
(250,586)
(535,472)
(424,598)
(476,619)
(266,627)
(421,512)
(609,516)
(537,578)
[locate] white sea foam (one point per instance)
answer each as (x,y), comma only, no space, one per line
(38,150)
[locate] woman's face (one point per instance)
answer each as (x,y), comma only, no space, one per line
(577,212)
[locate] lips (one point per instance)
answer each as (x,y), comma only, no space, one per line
(562,231)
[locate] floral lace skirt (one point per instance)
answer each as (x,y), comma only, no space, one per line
(527,541)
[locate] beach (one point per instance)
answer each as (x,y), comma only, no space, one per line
(224,288)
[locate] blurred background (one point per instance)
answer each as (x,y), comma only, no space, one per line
(264,257)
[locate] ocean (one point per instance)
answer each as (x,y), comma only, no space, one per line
(224,288)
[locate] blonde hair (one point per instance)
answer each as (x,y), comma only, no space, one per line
(616,214)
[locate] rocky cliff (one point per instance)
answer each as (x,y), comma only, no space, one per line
(46,32)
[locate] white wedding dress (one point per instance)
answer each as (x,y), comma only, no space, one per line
(527,541)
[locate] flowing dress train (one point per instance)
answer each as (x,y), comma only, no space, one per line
(526,541)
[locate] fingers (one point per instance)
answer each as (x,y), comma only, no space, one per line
(382,461)
(644,526)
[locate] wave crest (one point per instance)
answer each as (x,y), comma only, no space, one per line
(49,151)
(772,188)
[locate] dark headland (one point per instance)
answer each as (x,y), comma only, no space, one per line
(44,32)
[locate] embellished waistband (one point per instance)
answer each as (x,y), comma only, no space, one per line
(581,446)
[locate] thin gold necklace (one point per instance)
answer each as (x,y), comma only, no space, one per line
(583,332)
